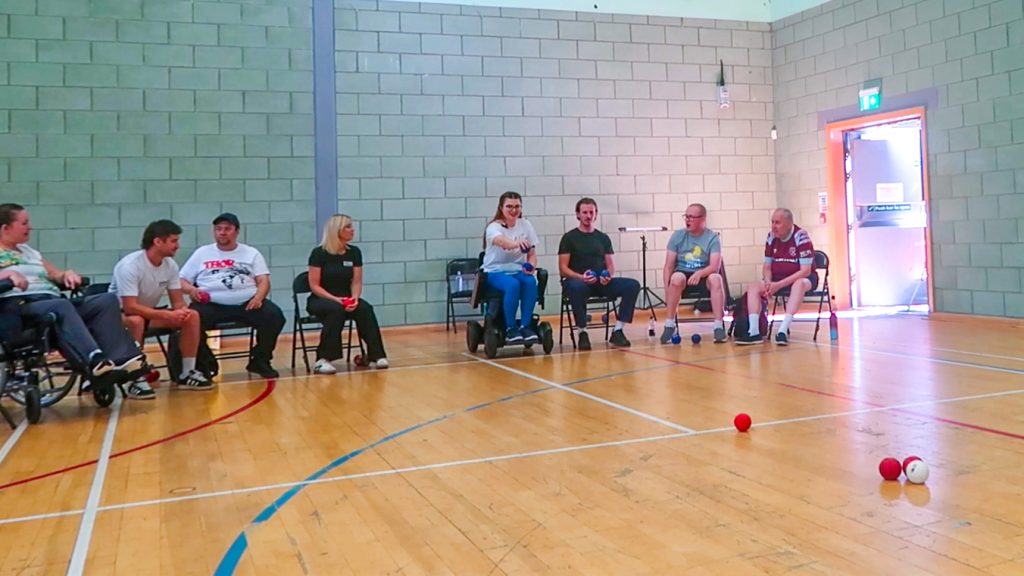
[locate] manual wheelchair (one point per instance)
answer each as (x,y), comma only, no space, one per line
(34,375)
(492,331)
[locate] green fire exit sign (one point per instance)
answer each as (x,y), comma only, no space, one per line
(871,96)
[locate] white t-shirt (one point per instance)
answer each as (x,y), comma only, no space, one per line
(28,262)
(498,259)
(228,277)
(135,275)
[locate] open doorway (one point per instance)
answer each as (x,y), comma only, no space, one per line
(878,211)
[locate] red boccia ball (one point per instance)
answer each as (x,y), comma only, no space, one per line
(890,468)
(907,461)
(742,422)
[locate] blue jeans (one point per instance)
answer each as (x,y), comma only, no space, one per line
(518,290)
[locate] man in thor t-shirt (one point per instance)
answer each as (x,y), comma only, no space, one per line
(788,259)
(228,282)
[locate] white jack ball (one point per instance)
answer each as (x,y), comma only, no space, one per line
(917,472)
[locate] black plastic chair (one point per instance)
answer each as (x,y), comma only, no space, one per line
(595,304)
(309,323)
(460,276)
(819,289)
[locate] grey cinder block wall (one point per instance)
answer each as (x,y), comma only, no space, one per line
(441,108)
(972,53)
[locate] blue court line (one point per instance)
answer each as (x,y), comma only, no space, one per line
(234,554)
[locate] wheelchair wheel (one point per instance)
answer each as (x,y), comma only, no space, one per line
(491,342)
(547,337)
(474,335)
(33,408)
(103,393)
(55,381)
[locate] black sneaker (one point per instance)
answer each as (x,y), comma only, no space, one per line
(513,336)
(132,364)
(263,368)
(99,365)
(747,339)
(529,336)
(782,339)
(583,341)
(141,390)
(619,339)
(194,380)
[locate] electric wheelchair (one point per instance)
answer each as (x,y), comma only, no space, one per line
(34,375)
(492,332)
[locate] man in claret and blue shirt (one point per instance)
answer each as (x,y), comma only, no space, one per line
(788,262)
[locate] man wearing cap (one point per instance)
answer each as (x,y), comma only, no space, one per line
(228,282)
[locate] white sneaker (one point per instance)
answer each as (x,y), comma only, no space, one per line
(381,364)
(324,367)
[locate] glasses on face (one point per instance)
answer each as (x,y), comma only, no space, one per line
(692,217)
(513,207)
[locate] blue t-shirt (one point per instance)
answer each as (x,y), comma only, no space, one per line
(693,252)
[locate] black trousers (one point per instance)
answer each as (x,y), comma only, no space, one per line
(577,291)
(268,320)
(333,316)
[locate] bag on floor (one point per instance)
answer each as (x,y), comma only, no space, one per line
(741,321)
(206,362)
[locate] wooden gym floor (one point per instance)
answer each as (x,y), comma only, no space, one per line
(607,462)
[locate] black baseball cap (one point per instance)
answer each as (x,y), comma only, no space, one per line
(229,218)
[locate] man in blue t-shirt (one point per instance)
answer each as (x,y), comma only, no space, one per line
(693,261)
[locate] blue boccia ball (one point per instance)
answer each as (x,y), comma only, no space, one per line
(676,339)
(695,338)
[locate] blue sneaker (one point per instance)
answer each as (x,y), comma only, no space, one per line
(529,336)
(512,336)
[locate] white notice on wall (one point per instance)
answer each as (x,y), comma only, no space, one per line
(889,192)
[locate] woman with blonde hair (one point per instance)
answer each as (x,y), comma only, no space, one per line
(336,282)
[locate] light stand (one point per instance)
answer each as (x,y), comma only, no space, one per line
(648,300)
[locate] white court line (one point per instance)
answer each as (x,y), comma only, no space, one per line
(812,344)
(9,444)
(506,457)
(81,550)
(588,396)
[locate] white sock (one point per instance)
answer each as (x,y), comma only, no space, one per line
(719,324)
(583,330)
(620,325)
(670,323)
(187,366)
(785,323)
(755,324)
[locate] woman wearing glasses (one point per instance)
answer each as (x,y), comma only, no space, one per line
(693,259)
(510,242)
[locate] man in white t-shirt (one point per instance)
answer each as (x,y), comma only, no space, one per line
(228,282)
(141,279)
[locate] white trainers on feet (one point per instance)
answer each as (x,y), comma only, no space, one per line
(324,367)
(381,364)
(141,390)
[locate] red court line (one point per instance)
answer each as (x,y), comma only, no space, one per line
(906,411)
(847,398)
(677,362)
(271,384)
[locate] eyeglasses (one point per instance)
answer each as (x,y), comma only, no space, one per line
(691,217)
(513,207)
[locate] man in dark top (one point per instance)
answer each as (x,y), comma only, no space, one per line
(587,268)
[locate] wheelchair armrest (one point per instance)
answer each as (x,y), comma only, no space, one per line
(6,285)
